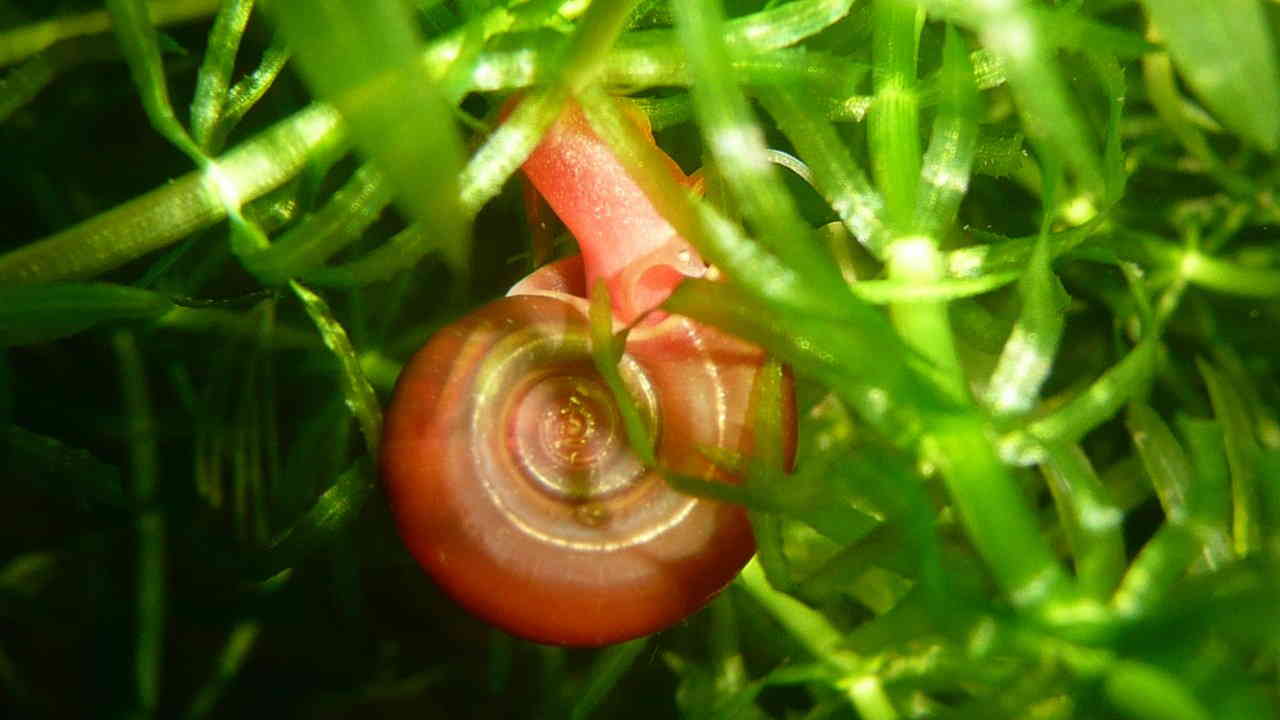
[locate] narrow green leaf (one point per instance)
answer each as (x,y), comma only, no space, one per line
(1028,354)
(364,58)
(1155,571)
(324,523)
(131,20)
(26,40)
(1224,50)
(1212,508)
(606,671)
(996,515)
(319,236)
(947,164)
(249,90)
(893,122)
(1112,75)
(356,390)
(151,602)
(1166,463)
(214,78)
(40,313)
(1092,521)
(175,209)
(736,143)
(1088,409)
(831,351)
(836,174)
(1242,455)
(59,469)
(606,351)
(234,653)
(807,625)
(1017,35)
(1145,692)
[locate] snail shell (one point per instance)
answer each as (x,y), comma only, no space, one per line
(513,482)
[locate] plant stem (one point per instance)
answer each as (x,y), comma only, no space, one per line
(168,213)
(150,525)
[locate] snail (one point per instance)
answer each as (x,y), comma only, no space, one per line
(506,460)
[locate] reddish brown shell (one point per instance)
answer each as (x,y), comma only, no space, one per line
(513,483)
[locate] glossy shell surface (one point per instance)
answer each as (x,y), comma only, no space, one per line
(513,483)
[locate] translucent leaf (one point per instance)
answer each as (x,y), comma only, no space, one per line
(1225,52)
(364,58)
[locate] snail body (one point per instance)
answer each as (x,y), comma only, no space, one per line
(512,478)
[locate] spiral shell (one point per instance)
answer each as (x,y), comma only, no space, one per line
(514,484)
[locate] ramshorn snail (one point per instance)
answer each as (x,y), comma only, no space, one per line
(506,460)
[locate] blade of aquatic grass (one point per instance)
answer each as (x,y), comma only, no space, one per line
(925,325)
(1166,463)
(363,57)
(1018,36)
(833,351)
(249,90)
(176,209)
(361,400)
(893,122)
(26,40)
(736,144)
(1199,268)
(667,111)
(1013,254)
(606,352)
(1088,409)
(235,652)
(1162,92)
(802,497)
(404,250)
(806,625)
(319,236)
(1158,567)
(785,24)
(836,174)
(1207,448)
(1028,354)
(1188,499)
(1111,74)
(326,522)
(1225,52)
(609,667)
(214,77)
(653,65)
(60,469)
(1148,692)
(22,84)
(768,29)
(945,168)
(893,134)
(1092,521)
(1067,28)
(41,313)
(150,608)
(996,515)
(1242,454)
(891,483)
(1255,388)
(131,21)
(507,147)
(851,674)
